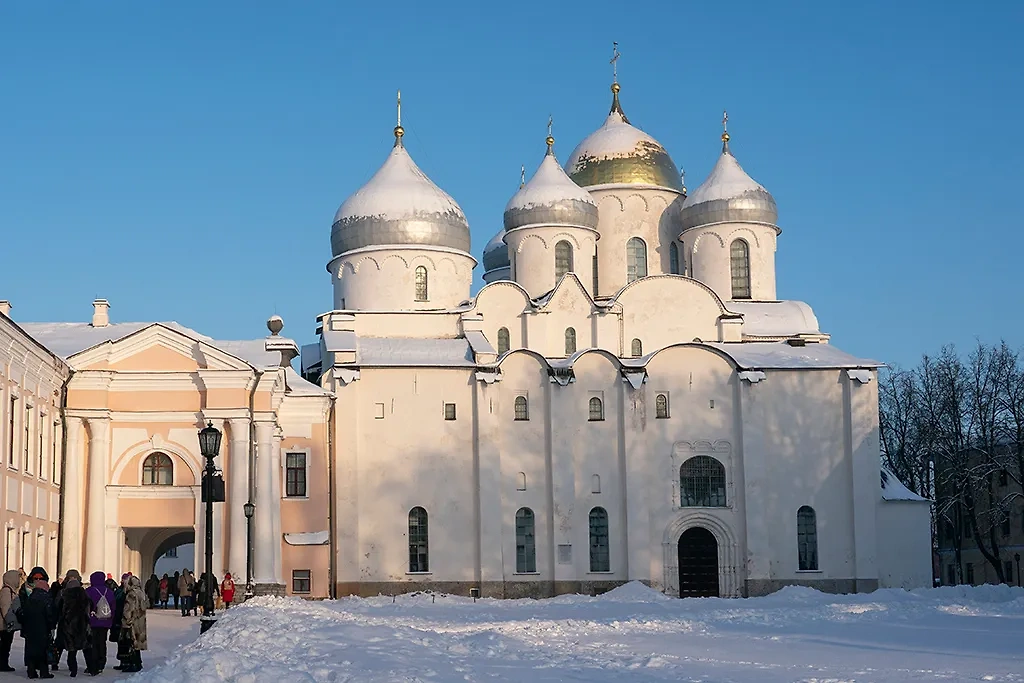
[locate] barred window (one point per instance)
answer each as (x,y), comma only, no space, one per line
(636,259)
(807,537)
(661,406)
(503,340)
(702,483)
(636,348)
(295,475)
(302,581)
(449,411)
(522,409)
(526,546)
(596,409)
(563,259)
(673,259)
(418,548)
(570,341)
(739,262)
(157,470)
(421,283)
(599,557)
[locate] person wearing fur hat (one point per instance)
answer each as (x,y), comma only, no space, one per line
(38,618)
(133,624)
(9,590)
(73,621)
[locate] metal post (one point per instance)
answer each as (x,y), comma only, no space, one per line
(250,509)
(208,614)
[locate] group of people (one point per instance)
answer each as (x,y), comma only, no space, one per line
(188,594)
(67,616)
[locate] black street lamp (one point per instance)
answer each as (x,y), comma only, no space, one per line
(249,510)
(209,447)
(1016,558)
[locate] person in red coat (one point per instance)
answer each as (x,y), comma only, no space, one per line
(227,590)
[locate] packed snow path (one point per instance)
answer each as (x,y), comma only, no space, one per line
(630,634)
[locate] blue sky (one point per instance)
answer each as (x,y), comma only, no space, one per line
(185,160)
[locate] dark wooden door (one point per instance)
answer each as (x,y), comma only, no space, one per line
(698,564)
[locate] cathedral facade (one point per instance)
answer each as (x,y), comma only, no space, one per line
(624,399)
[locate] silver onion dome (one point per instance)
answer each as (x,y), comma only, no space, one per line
(550,198)
(496,253)
(399,206)
(620,153)
(728,195)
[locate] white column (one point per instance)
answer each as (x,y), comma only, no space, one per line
(96,529)
(276,466)
(238,494)
(71,525)
(219,540)
(263,522)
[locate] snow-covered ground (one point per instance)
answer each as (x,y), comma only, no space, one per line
(630,634)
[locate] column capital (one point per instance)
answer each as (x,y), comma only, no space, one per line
(99,427)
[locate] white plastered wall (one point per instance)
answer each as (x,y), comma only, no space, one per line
(384,278)
(534,249)
(707,255)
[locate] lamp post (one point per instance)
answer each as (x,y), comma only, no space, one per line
(1016,558)
(209,447)
(249,510)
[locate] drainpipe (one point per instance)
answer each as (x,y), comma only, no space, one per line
(332,590)
(257,374)
(63,467)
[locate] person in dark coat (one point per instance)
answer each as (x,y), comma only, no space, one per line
(73,622)
(116,636)
(102,605)
(173,588)
(38,617)
(153,590)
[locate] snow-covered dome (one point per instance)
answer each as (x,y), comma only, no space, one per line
(496,253)
(728,195)
(550,198)
(619,153)
(398,206)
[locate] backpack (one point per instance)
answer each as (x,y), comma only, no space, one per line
(11,622)
(103,611)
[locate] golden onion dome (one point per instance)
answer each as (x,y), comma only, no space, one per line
(619,153)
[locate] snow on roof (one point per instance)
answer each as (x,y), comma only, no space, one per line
(308,538)
(894,489)
(775,318)
(782,356)
(253,352)
(726,181)
(403,352)
(478,342)
(68,339)
(339,340)
(300,387)
(399,189)
(549,185)
(614,139)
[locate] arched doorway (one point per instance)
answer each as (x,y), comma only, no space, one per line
(698,564)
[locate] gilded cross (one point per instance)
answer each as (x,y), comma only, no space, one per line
(614,62)
(399,107)
(725,121)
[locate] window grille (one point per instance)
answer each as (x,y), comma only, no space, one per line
(636,348)
(739,262)
(295,474)
(421,283)
(807,538)
(636,259)
(661,406)
(596,409)
(157,470)
(570,341)
(599,557)
(522,409)
(702,483)
(302,581)
(449,411)
(418,548)
(563,259)
(673,259)
(526,547)
(503,340)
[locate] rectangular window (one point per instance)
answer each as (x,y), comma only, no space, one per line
(970,573)
(951,575)
(1008,572)
(55,440)
(10,432)
(295,475)
(302,581)
(449,411)
(41,454)
(28,438)
(378,411)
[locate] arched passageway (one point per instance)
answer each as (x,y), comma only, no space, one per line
(698,564)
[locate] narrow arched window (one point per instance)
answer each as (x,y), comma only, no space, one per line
(563,259)
(702,483)
(418,544)
(157,470)
(636,259)
(503,342)
(596,409)
(673,259)
(421,283)
(595,483)
(661,406)
(599,558)
(739,264)
(521,482)
(570,341)
(526,544)
(636,348)
(522,409)
(807,538)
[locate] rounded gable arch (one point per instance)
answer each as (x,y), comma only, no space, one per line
(138,453)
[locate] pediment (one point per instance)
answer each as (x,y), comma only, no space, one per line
(158,348)
(570,295)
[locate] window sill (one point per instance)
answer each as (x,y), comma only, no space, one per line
(418,573)
(810,571)
(525,573)
(602,573)
(294,497)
